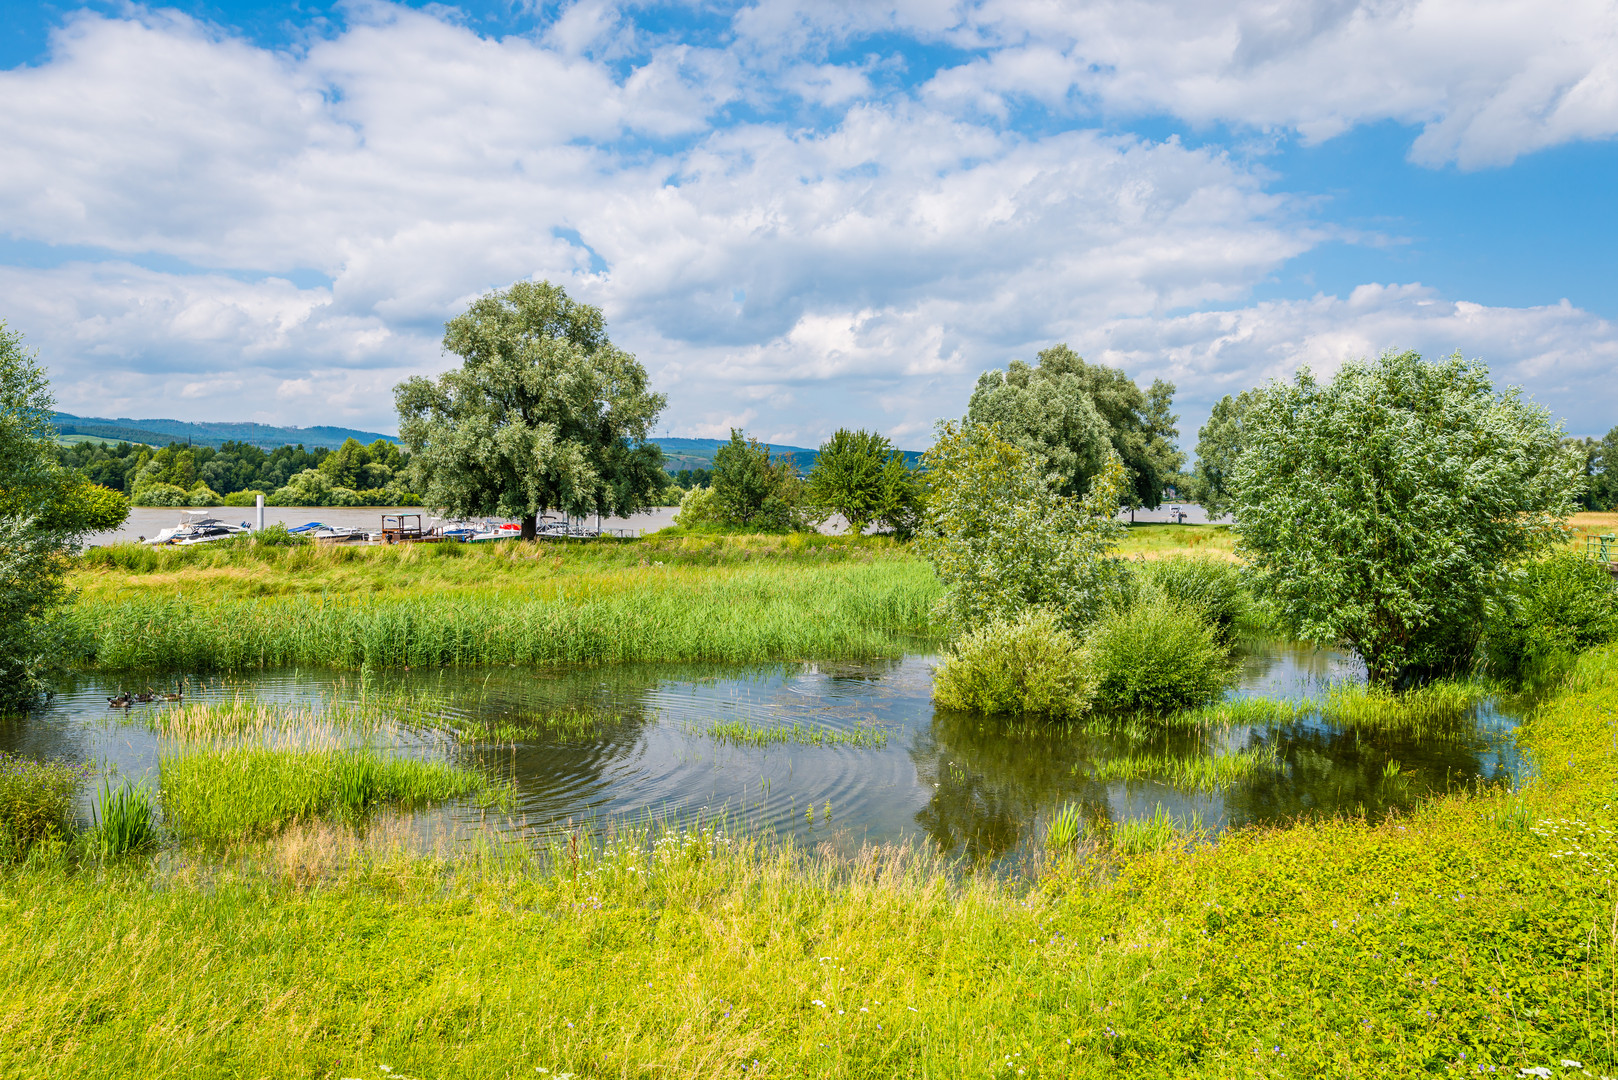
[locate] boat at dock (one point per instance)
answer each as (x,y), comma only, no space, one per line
(198,527)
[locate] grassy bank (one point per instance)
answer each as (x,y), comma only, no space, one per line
(1480,930)
(733,599)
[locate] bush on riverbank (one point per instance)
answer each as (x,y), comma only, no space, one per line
(1560,606)
(1030,665)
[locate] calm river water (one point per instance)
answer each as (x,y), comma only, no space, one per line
(972,786)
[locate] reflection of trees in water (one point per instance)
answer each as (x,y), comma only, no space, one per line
(1331,769)
(994,781)
(1264,660)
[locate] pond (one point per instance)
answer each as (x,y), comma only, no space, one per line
(885,766)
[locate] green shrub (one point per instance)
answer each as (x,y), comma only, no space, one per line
(36,802)
(1030,665)
(1212,588)
(1156,655)
(1560,606)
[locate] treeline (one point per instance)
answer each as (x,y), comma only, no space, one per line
(236,473)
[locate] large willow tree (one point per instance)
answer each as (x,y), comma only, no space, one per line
(544,413)
(1385,508)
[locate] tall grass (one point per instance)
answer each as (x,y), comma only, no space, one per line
(224,792)
(1158,833)
(126,821)
(734,616)
(1429,708)
(1200,773)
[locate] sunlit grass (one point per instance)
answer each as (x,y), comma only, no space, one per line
(726,614)
(223,792)
(1432,708)
(566,724)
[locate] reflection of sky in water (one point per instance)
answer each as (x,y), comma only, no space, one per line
(967,782)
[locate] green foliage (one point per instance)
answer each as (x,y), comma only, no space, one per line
(859,475)
(1068,414)
(1220,442)
(36,803)
(1384,509)
(545,412)
(1028,665)
(751,489)
(45,513)
(699,507)
(1556,608)
(760,736)
(1001,541)
(1155,655)
(225,792)
(1212,588)
(125,822)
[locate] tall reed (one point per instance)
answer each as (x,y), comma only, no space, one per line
(222,792)
(741,616)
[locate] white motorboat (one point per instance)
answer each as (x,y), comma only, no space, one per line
(198,527)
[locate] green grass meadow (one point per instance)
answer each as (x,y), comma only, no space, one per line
(1479,930)
(742,599)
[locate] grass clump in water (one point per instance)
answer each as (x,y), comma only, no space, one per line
(743,733)
(1241,712)
(1149,835)
(1203,773)
(568,725)
(227,792)
(1431,708)
(36,803)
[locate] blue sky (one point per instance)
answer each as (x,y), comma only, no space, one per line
(805,216)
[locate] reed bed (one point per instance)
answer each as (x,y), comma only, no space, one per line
(225,792)
(1255,712)
(859,611)
(745,733)
(1202,773)
(1427,709)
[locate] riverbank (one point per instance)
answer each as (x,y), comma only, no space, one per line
(1476,931)
(668,597)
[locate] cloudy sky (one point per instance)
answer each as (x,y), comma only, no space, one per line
(806,215)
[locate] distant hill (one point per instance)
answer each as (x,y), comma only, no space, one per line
(678,453)
(698,453)
(163,432)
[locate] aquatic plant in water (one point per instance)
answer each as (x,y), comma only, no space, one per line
(743,733)
(224,791)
